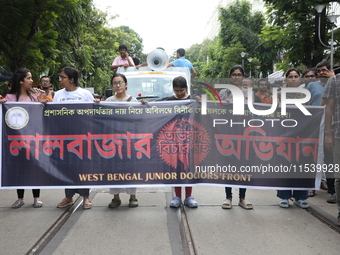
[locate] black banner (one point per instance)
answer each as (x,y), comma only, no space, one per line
(160,143)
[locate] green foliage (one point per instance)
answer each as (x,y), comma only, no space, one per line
(221,59)
(240,29)
(199,52)
(27,37)
(51,34)
(132,40)
(293,29)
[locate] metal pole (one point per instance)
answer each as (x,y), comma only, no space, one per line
(332,47)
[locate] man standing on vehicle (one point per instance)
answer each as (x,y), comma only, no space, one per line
(181,61)
(123,60)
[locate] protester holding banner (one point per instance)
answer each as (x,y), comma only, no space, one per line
(22,91)
(332,130)
(316,88)
(180,87)
(325,72)
(293,79)
(119,86)
(236,75)
(71,92)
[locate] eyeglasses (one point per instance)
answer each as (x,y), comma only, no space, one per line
(262,84)
(236,75)
(309,76)
(46,81)
(118,83)
(62,77)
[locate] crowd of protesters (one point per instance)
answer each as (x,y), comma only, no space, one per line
(320,81)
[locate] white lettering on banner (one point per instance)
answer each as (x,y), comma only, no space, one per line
(255,122)
(238,102)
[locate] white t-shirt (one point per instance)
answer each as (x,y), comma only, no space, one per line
(79,95)
(112,99)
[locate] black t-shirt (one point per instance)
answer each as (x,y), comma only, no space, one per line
(175,98)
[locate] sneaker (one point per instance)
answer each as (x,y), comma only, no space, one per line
(190,202)
(332,199)
(175,202)
(133,202)
(114,203)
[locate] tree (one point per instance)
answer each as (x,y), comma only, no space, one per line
(51,34)
(86,44)
(293,30)
(240,25)
(240,29)
(27,37)
(199,52)
(132,40)
(221,59)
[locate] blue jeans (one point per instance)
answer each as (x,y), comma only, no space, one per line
(298,194)
(229,194)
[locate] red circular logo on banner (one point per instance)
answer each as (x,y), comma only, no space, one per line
(181,139)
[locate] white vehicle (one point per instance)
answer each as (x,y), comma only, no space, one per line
(154,82)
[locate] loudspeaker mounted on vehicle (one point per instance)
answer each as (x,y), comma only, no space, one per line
(157,60)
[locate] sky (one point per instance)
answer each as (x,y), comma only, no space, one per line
(170,24)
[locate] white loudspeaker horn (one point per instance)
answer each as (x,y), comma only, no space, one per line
(158,60)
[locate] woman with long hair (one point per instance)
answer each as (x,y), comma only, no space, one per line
(22,91)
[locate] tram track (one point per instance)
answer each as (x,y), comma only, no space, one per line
(179,217)
(183,230)
(38,247)
(324,217)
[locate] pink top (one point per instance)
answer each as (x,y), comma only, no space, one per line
(12,98)
(119,61)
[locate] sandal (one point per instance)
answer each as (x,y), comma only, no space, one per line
(64,203)
(37,204)
(311,193)
(324,185)
(87,205)
(175,202)
(245,204)
(284,203)
(226,204)
(17,204)
(114,203)
(190,202)
(133,202)
(302,203)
